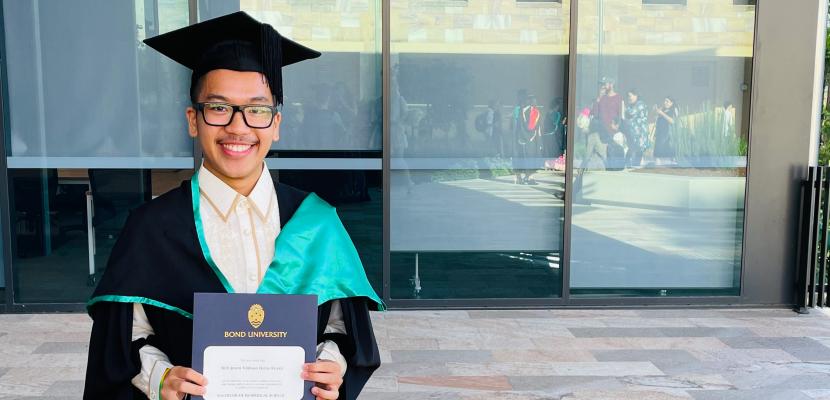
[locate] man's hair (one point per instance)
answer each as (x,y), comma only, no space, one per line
(196,88)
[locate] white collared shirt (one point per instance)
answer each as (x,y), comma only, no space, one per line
(240,232)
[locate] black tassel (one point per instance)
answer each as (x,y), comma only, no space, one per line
(271,49)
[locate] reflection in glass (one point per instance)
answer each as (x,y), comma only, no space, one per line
(2,269)
(660,142)
(477,135)
(332,102)
(65,223)
(91,52)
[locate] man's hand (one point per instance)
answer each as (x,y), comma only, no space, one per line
(181,381)
(326,374)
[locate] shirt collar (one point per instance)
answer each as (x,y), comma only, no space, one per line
(223,198)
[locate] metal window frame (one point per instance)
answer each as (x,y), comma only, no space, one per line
(5,210)
(566,300)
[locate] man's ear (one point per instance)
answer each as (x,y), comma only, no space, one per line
(277,120)
(192,128)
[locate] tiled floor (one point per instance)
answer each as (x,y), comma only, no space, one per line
(569,354)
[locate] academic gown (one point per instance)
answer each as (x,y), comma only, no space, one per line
(158,261)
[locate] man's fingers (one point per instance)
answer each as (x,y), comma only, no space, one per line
(186,387)
(195,377)
(323,377)
(189,374)
(323,394)
(322,366)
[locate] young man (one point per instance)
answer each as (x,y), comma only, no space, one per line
(228,229)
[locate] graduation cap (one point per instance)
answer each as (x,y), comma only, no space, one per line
(235,41)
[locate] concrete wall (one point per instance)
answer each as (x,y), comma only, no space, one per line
(786,80)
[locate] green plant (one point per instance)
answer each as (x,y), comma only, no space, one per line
(499,166)
(465,169)
(824,147)
(706,134)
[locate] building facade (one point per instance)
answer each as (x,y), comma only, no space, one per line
(481,153)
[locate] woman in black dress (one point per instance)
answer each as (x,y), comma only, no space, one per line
(666,117)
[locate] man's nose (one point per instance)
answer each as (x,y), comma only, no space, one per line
(238,124)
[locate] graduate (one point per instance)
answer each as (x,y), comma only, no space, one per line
(228,229)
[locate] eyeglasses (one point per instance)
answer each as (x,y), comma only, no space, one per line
(221,114)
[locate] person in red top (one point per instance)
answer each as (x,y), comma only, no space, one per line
(609,104)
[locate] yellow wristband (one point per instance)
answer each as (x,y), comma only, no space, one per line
(161,382)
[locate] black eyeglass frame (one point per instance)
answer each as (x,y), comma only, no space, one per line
(241,109)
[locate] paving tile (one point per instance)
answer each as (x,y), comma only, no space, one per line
(441,356)
(66,388)
(640,322)
(815,382)
(604,394)
(707,332)
(663,359)
(511,314)
(485,342)
(554,369)
(412,369)
(410,396)
(824,340)
(615,332)
(491,383)
(379,383)
(661,332)
(63,348)
(407,344)
(803,348)
(42,398)
(819,394)
(622,343)
(564,384)
(542,355)
(675,382)
(6,320)
(749,395)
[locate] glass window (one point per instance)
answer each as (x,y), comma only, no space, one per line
(332,102)
(91,109)
(2,268)
(660,146)
(87,93)
(477,135)
(65,222)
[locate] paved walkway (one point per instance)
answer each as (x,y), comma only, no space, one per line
(649,354)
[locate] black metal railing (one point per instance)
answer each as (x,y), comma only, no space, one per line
(812,240)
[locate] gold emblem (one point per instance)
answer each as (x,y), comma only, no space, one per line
(256,314)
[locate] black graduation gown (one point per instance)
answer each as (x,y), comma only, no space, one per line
(158,256)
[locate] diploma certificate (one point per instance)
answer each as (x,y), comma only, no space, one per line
(253,346)
(254,372)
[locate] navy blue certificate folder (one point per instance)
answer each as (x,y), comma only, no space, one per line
(261,321)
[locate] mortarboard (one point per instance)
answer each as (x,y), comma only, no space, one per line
(235,41)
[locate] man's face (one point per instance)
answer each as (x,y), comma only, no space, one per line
(235,151)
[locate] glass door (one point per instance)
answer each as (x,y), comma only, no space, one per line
(660,147)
